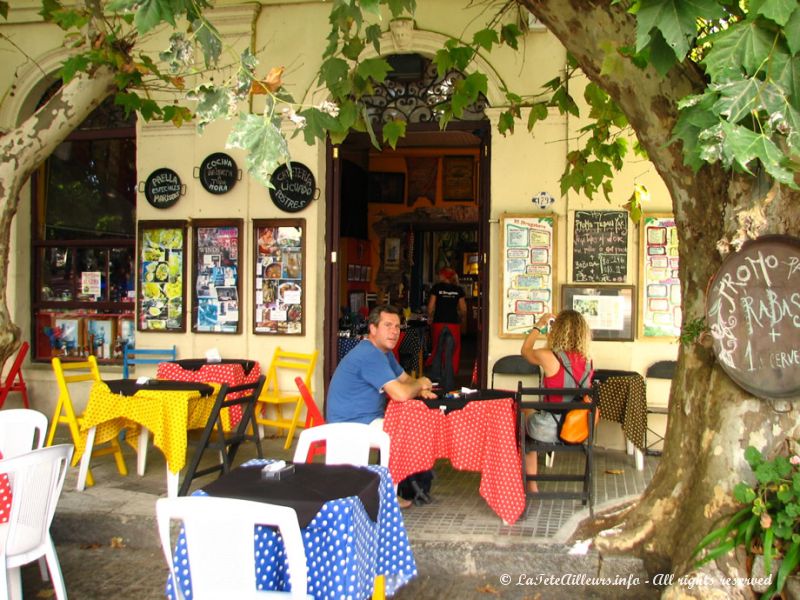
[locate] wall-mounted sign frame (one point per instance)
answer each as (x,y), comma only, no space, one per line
(752,312)
(293,189)
(218,173)
(162,188)
(608,309)
(659,282)
(280,286)
(458,178)
(528,285)
(161,273)
(217,291)
(600,246)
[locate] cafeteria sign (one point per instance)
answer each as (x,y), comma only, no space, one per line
(292,190)
(163,187)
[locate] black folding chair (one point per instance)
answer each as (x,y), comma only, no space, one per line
(226,443)
(585,494)
(514,364)
(663,369)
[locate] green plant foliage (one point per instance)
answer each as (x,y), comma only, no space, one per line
(769,523)
(692,330)
(265,145)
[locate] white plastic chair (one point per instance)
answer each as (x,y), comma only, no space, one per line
(219,543)
(21,430)
(36,480)
(345,443)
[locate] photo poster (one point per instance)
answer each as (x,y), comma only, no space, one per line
(162,276)
(608,309)
(528,276)
(217,284)
(660,305)
(600,246)
(279,276)
(100,334)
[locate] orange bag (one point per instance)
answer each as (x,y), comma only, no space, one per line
(574,426)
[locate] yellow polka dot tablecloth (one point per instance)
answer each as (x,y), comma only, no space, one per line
(479,437)
(167,414)
(623,399)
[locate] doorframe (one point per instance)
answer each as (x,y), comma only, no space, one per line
(482,129)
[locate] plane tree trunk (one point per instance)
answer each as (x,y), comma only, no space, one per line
(711,420)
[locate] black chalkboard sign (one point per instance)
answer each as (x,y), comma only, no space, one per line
(163,187)
(292,190)
(753,312)
(600,246)
(218,173)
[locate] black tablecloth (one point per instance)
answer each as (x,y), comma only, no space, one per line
(129,387)
(311,486)
(451,404)
(195,364)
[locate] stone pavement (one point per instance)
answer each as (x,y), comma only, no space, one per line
(108,547)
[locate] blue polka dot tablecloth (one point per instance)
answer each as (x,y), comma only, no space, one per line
(345,549)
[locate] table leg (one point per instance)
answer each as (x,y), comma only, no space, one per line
(638,456)
(172,483)
(86,458)
(141,450)
(379,588)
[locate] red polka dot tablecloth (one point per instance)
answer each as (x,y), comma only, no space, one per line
(231,373)
(5,497)
(480,437)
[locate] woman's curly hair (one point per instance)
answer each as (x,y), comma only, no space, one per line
(570,333)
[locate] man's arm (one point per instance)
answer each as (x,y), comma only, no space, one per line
(406,387)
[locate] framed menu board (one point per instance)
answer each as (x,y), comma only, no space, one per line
(279,306)
(528,283)
(161,273)
(660,305)
(600,246)
(217,292)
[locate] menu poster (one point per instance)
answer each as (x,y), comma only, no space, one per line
(600,246)
(162,276)
(217,285)
(528,276)
(660,283)
(279,303)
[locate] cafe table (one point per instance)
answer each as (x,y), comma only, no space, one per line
(168,409)
(351,526)
(5,497)
(233,371)
(477,432)
(623,399)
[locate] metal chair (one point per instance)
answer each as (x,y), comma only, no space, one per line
(226,443)
(515,364)
(145,356)
(345,443)
(283,368)
(36,479)
(14,381)
(219,545)
(661,370)
(585,494)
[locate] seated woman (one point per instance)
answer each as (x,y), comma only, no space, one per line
(568,335)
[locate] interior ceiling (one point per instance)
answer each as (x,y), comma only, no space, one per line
(421,139)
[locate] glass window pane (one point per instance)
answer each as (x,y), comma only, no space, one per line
(56,274)
(122,275)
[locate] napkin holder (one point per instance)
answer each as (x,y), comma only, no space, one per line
(270,473)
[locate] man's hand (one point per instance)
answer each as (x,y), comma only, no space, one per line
(428,395)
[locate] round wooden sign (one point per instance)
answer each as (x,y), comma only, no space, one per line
(753,310)
(218,173)
(162,188)
(293,190)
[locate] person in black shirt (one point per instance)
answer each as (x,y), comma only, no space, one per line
(447,308)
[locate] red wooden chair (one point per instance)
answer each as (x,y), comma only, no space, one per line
(14,381)
(313,417)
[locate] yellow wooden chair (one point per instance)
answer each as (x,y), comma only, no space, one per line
(65,412)
(280,390)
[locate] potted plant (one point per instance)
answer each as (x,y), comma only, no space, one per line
(768,525)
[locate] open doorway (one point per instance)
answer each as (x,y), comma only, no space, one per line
(395,218)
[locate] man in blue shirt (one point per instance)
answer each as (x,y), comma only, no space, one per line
(369,373)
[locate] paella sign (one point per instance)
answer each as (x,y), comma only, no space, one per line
(753,312)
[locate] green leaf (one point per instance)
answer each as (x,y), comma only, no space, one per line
(372,7)
(352,48)
(789,564)
(675,19)
(744,146)
(4,9)
(506,122)
(768,548)
(485,38)
(777,11)
(72,66)
(564,102)
(401,7)
(444,62)
(264,144)
(209,39)
(334,74)
(538,113)
(393,131)
(787,74)
(509,34)
(374,68)
(372,35)
(792,32)
(737,99)
(151,13)
(743,46)
(317,124)
(753,457)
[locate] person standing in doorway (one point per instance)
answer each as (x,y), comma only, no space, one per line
(447,308)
